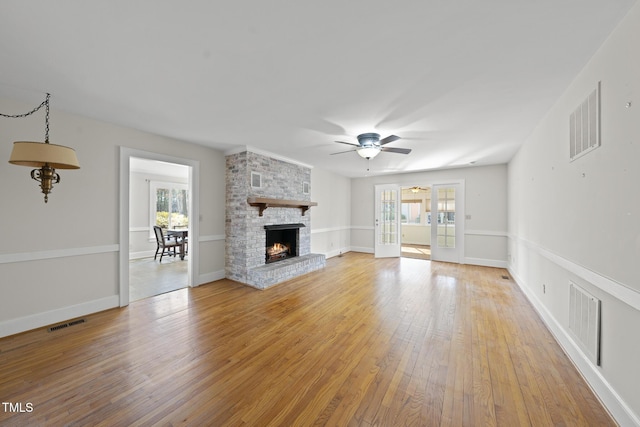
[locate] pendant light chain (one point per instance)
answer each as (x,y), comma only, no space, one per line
(45,103)
(45,157)
(46,121)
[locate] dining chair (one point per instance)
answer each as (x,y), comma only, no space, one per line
(164,244)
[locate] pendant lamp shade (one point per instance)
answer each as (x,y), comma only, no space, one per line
(45,157)
(38,154)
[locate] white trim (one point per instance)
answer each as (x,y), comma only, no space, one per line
(623,293)
(254,150)
(336,252)
(38,320)
(362,249)
(212,238)
(363,227)
(485,262)
(331,229)
(57,253)
(486,233)
(138,229)
(620,411)
(150,253)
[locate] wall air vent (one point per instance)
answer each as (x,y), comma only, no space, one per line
(584,126)
(584,321)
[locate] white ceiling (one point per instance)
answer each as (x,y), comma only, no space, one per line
(460,81)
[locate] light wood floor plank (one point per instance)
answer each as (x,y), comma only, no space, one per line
(363,342)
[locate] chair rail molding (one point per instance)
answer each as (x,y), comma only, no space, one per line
(57,253)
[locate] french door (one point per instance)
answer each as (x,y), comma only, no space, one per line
(387,221)
(447,222)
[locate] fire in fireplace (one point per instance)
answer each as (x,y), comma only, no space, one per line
(278,251)
(282,241)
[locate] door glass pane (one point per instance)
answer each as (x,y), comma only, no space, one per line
(446,230)
(388,231)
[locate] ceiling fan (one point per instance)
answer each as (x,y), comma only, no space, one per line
(370,145)
(417,189)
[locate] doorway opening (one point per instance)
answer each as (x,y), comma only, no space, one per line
(140,221)
(415,222)
(158,196)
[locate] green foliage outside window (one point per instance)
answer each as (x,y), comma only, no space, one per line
(172,208)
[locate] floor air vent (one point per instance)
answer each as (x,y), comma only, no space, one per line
(66,325)
(584,321)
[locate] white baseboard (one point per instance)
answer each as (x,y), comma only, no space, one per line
(336,252)
(361,249)
(486,262)
(620,411)
(38,320)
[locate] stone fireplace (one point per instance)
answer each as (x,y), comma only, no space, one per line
(252,179)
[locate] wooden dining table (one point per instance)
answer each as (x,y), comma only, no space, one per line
(181,235)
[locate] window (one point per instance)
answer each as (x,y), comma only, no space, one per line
(411,212)
(169,205)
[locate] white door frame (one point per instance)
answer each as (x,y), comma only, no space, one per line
(387,250)
(448,255)
(194,209)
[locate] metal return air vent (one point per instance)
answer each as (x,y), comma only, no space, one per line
(65,325)
(584,126)
(584,321)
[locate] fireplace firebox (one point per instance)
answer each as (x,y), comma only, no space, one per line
(282,241)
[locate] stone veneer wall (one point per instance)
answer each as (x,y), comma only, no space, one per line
(245,235)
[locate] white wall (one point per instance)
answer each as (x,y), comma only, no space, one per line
(580,220)
(63,258)
(330,220)
(415,234)
(486,203)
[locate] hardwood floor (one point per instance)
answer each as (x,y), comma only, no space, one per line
(415,251)
(369,342)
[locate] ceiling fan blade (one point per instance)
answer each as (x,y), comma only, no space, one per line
(342,152)
(396,150)
(389,139)
(348,143)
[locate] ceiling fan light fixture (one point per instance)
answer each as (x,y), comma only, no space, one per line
(368,152)
(370,145)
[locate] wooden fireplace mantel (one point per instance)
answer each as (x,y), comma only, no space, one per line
(264,203)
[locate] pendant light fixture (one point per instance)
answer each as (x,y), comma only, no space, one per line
(45,157)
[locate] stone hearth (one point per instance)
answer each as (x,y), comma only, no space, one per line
(254,175)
